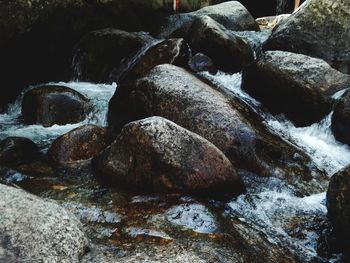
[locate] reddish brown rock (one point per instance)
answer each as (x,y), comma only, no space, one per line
(81,143)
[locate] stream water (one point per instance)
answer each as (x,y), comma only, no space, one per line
(271,207)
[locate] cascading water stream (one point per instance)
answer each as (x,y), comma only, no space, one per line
(98,94)
(273,206)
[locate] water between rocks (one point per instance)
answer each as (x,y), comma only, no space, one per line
(269,206)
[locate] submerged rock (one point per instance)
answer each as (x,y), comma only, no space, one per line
(17,150)
(158,155)
(49,105)
(33,230)
(232,15)
(175,94)
(338,204)
(229,51)
(320,28)
(100,52)
(296,85)
(79,144)
(341,118)
(200,62)
(171,51)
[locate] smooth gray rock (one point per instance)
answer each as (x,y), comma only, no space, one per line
(35,230)
(232,15)
(320,28)
(294,84)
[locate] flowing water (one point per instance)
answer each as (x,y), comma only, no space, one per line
(272,207)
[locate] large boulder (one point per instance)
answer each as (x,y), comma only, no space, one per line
(49,105)
(158,155)
(232,15)
(100,52)
(229,51)
(338,204)
(79,144)
(341,119)
(296,85)
(34,230)
(175,94)
(171,51)
(17,150)
(320,28)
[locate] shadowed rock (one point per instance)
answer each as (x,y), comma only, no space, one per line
(49,105)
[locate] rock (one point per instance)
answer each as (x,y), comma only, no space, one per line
(229,51)
(175,94)
(296,85)
(35,34)
(338,204)
(79,144)
(49,105)
(17,150)
(268,8)
(158,155)
(232,15)
(320,28)
(340,119)
(200,62)
(34,230)
(171,51)
(100,52)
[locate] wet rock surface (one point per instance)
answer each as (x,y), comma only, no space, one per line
(318,29)
(80,144)
(17,150)
(338,204)
(175,94)
(232,15)
(49,105)
(100,52)
(340,119)
(34,230)
(296,85)
(157,155)
(172,51)
(200,62)
(230,52)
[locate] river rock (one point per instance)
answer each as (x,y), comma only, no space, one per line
(229,51)
(17,150)
(49,105)
(232,15)
(35,230)
(338,204)
(340,119)
(38,36)
(159,155)
(296,85)
(171,51)
(101,51)
(320,28)
(175,94)
(79,144)
(200,62)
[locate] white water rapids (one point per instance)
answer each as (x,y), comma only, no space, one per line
(268,208)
